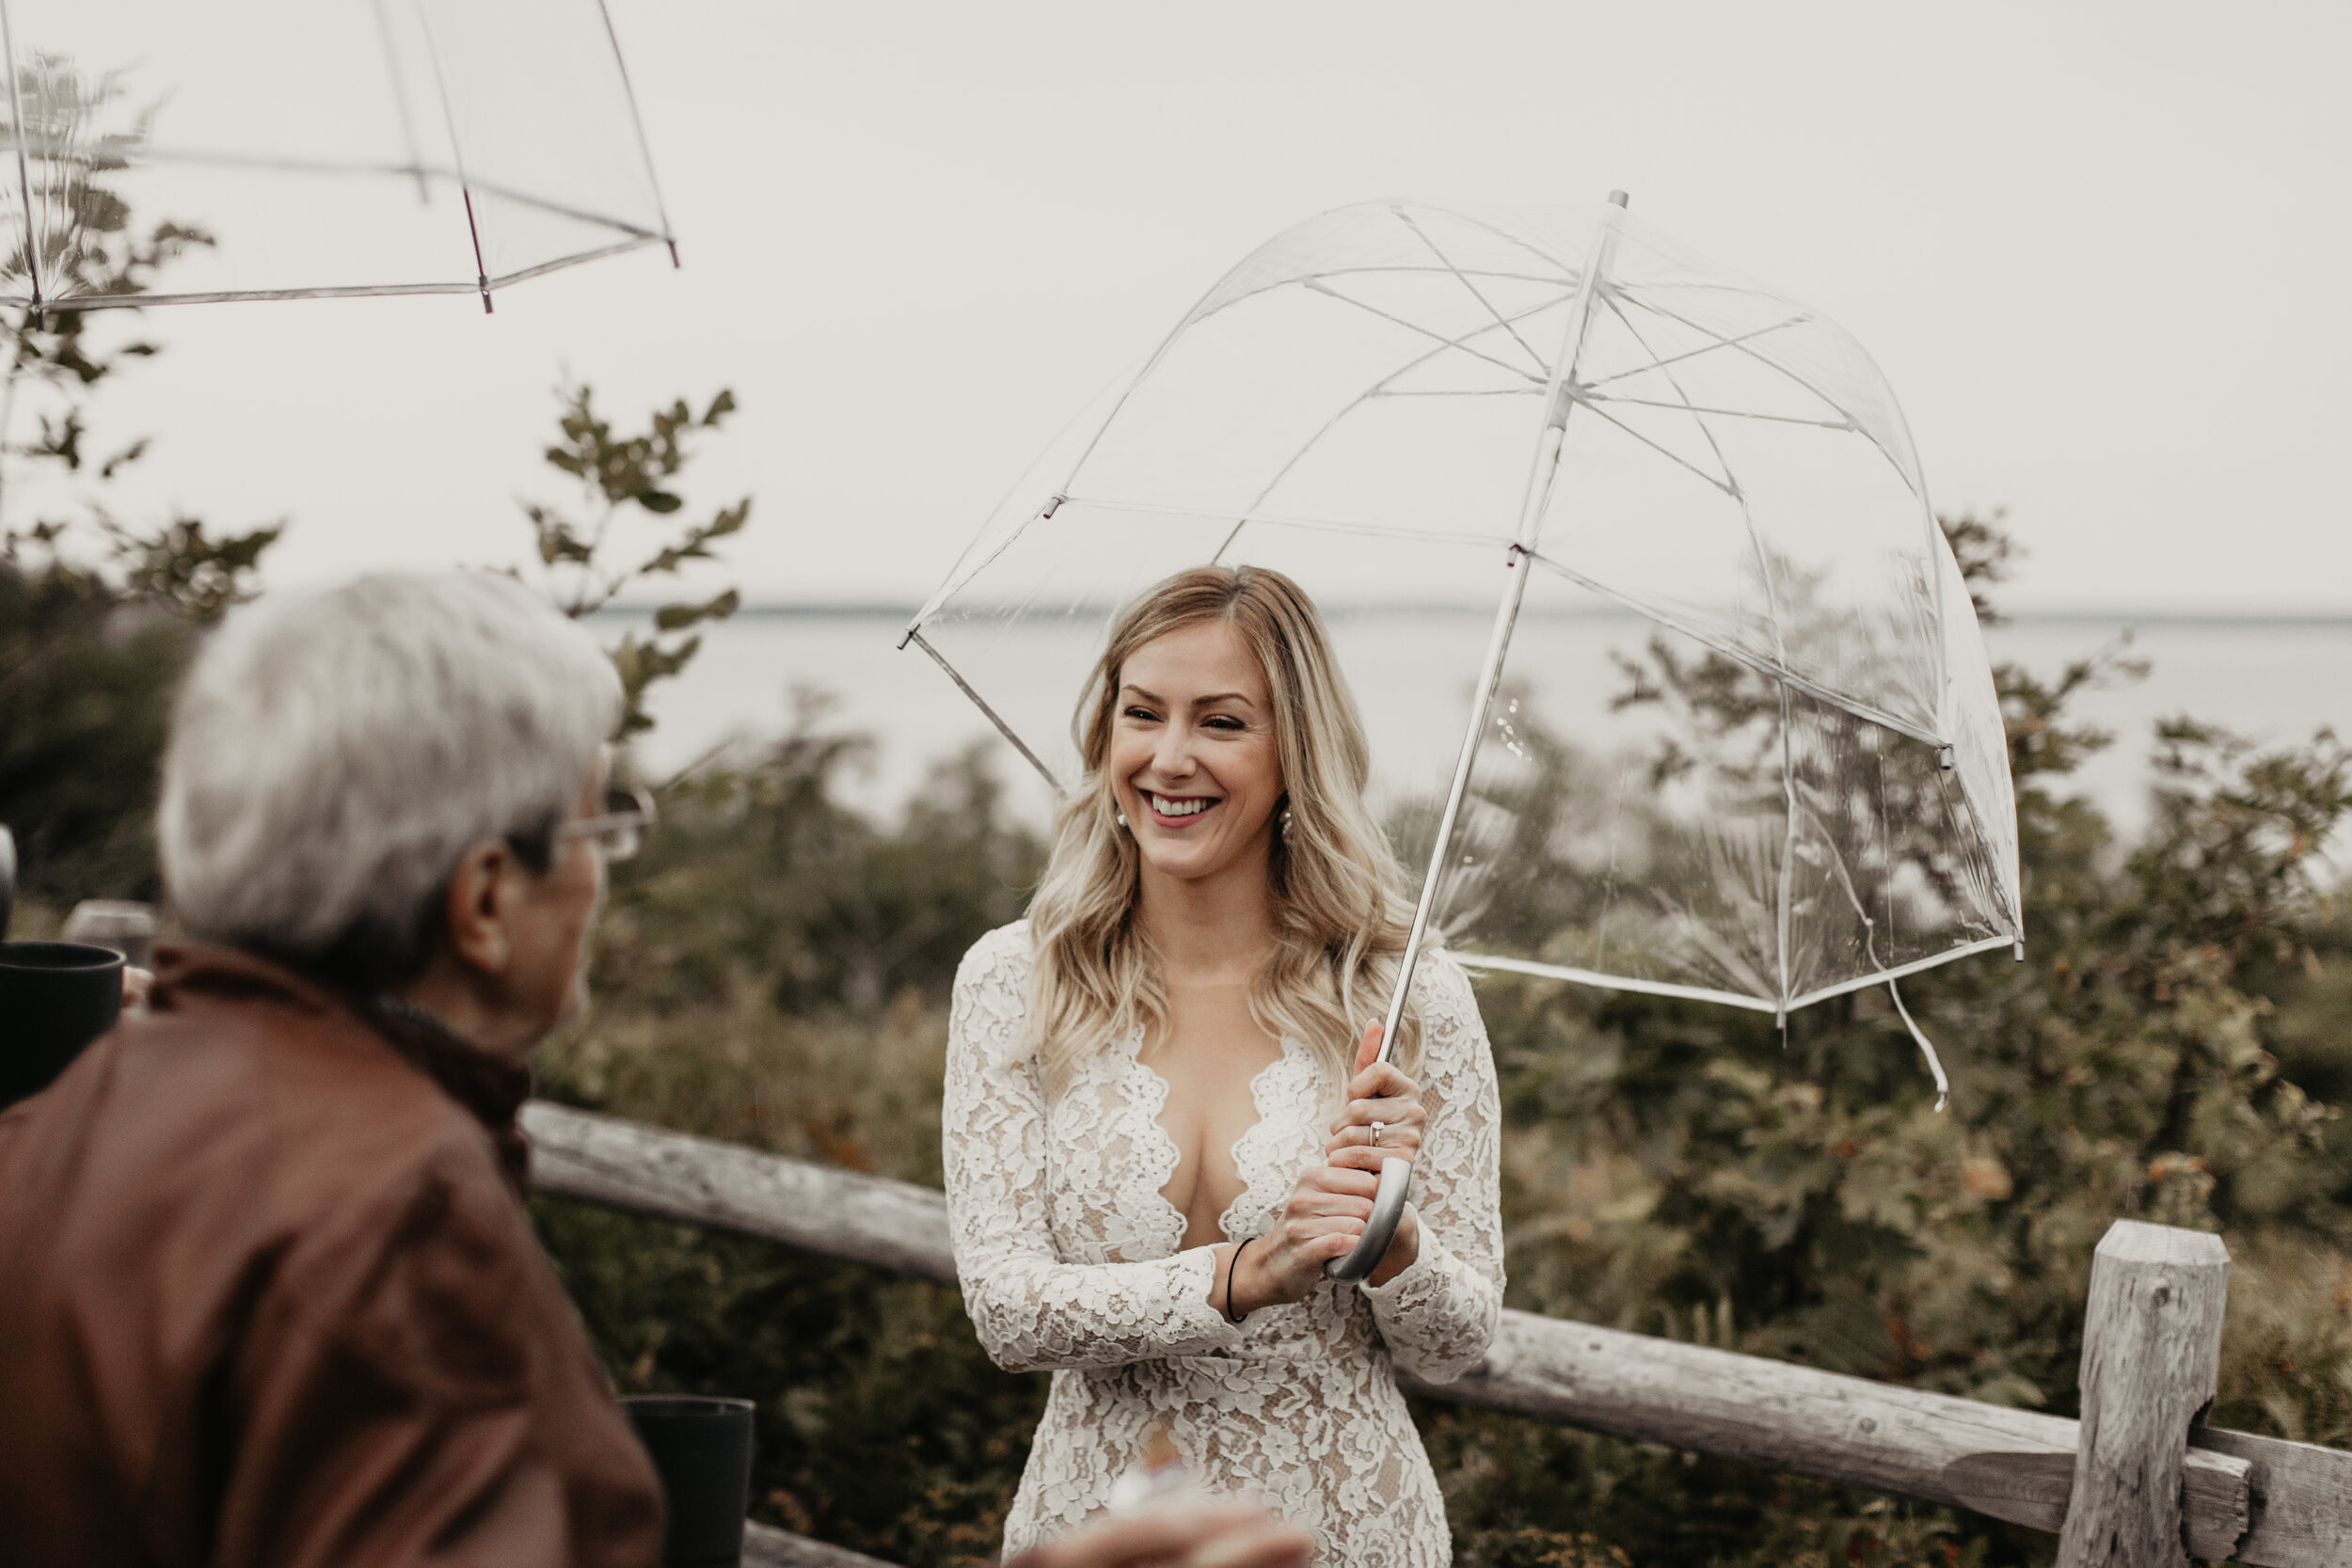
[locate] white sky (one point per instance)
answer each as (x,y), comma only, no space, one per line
(2098,250)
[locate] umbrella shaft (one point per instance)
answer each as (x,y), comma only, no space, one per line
(1489,677)
(1396,1175)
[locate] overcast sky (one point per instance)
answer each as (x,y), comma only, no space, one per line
(2098,250)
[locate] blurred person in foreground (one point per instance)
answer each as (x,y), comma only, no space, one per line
(270,1293)
(272,1297)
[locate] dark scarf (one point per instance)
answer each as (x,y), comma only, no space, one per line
(492,1088)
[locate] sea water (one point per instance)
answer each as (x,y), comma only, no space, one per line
(2274,681)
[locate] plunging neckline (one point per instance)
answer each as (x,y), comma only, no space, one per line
(1175,1155)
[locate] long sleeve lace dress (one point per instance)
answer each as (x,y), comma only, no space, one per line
(1069,1261)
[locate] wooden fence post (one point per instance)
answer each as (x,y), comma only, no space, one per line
(2152,1352)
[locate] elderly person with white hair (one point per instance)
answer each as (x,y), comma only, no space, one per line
(271,1296)
(268,1295)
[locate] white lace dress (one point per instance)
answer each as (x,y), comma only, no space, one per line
(1069,1260)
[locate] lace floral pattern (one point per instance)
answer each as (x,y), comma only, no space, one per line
(1069,1260)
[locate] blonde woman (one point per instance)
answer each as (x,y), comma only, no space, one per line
(1159,1126)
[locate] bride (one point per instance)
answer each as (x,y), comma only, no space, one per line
(1159,1123)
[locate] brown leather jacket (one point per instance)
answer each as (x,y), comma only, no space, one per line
(268,1297)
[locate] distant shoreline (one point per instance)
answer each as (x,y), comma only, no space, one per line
(901,613)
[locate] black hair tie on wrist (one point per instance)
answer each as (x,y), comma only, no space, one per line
(1232,1263)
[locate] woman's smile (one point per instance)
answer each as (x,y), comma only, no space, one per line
(1177,811)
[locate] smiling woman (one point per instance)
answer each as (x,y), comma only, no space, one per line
(1163,1118)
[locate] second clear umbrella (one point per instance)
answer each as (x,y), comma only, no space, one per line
(328,148)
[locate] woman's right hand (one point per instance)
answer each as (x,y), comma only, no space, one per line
(1326,1211)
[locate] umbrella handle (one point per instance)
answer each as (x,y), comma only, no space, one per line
(1387,1207)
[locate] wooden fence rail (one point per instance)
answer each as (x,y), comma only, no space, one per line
(2156,1296)
(765,1546)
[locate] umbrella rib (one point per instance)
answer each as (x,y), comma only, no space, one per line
(1293,279)
(213,159)
(1607,981)
(231,297)
(346,291)
(561,210)
(1728,413)
(1460,392)
(637,241)
(1705,993)
(1227,543)
(1824,994)
(1375,389)
(982,703)
(1985,839)
(1731,479)
(1316,285)
(1727,489)
(637,122)
(1566,269)
(1720,342)
(959,579)
(1370,530)
(1764,667)
(1755,540)
(400,101)
(24,170)
(1201,312)
(457,154)
(1739,343)
(1485,304)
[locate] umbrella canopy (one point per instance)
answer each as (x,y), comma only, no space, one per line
(329,147)
(1647,541)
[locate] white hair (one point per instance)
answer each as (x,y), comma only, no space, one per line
(335,752)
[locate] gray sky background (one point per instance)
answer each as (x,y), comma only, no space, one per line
(2098,250)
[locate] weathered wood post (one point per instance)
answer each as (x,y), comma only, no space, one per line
(2152,1354)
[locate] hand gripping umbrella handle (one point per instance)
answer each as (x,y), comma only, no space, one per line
(1387,1207)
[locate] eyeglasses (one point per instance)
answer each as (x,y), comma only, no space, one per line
(618,832)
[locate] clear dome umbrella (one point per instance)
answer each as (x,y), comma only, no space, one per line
(1673,682)
(328,146)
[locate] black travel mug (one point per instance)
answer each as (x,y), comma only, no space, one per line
(56,997)
(701,1450)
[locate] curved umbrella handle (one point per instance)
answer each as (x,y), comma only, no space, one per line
(1387,1207)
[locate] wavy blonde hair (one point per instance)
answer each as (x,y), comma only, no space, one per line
(1339,924)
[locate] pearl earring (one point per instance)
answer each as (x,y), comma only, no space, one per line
(1121,817)
(1285,826)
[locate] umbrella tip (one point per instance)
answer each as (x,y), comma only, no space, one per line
(1616,198)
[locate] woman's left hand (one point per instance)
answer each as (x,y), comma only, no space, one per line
(1378,1096)
(1382,1096)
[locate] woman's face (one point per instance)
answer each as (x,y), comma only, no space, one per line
(1193,759)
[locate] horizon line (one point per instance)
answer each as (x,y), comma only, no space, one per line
(904,611)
